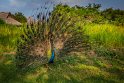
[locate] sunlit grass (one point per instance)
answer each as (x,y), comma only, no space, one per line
(105,34)
(8,37)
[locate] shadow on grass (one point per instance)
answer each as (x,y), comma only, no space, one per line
(70,69)
(8,71)
(67,71)
(97,79)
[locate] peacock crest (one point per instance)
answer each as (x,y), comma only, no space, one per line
(53,34)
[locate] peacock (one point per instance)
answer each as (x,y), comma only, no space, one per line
(52,35)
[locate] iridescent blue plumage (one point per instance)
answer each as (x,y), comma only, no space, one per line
(52,57)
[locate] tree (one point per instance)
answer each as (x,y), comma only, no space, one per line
(93,6)
(20,17)
(115,16)
(96,6)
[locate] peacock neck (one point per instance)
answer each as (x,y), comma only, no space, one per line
(52,57)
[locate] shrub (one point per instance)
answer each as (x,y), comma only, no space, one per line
(2,22)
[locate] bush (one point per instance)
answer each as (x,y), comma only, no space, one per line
(2,22)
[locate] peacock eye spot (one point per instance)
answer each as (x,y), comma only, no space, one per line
(41,50)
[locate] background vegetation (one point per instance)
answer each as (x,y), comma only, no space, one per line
(8,37)
(1,22)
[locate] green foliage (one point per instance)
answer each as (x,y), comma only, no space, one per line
(85,14)
(114,16)
(20,17)
(1,22)
(93,14)
(8,37)
(93,6)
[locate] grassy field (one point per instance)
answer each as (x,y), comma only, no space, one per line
(107,35)
(71,69)
(93,67)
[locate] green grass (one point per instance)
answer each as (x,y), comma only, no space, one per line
(71,69)
(8,37)
(106,35)
(106,39)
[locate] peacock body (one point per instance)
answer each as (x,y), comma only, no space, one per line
(53,35)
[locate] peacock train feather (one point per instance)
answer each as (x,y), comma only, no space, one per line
(54,34)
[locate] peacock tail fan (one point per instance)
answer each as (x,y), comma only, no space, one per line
(54,30)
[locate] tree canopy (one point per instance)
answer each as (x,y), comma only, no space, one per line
(20,17)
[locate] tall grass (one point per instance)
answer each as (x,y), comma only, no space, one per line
(8,37)
(106,35)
